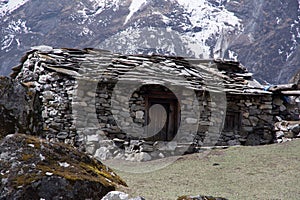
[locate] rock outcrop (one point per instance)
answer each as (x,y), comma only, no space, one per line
(18,108)
(32,168)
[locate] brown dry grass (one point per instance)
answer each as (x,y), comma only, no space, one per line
(261,172)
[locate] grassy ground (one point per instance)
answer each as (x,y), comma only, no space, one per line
(261,172)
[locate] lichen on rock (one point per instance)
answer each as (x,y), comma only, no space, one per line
(32,168)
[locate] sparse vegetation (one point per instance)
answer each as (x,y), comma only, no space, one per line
(259,172)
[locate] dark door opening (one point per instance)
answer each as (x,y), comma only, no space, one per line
(232,121)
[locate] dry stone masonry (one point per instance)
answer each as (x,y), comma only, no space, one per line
(139,107)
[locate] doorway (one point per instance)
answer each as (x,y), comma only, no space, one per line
(162,118)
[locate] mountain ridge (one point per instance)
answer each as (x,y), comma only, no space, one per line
(258,33)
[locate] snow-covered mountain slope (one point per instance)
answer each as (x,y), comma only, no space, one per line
(8,6)
(263,34)
(190,30)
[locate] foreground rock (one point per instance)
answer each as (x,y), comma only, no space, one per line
(17,111)
(200,197)
(32,168)
(287,130)
(116,195)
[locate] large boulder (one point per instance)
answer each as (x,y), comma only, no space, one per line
(32,168)
(18,108)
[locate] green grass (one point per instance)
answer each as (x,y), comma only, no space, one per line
(261,172)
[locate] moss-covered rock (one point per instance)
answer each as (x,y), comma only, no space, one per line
(32,168)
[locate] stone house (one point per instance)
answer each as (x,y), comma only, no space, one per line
(94,99)
(286,106)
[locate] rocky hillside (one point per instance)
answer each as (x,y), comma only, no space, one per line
(263,35)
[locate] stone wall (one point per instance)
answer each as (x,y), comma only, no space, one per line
(53,98)
(286,109)
(109,129)
(95,114)
(256,119)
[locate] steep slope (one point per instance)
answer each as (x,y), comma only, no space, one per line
(260,33)
(269,43)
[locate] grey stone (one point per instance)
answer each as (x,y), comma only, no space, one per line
(137,198)
(278,119)
(44,114)
(187,138)
(248,104)
(93,138)
(43,79)
(43,48)
(279,134)
(191,120)
(53,113)
(246,114)
(201,197)
(278,102)
(62,135)
(266,107)
(246,122)
(48,95)
(103,153)
(116,195)
(253,139)
(161,155)
(254,120)
(139,114)
(266,118)
(282,108)
(146,148)
(254,111)
(142,157)
(289,134)
(295,128)
(171,146)
(268,137)
(229,134)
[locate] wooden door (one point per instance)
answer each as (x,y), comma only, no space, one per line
(161,119)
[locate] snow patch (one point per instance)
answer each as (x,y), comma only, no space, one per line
(278,20)
(64,164)
(164,18)
(213,21)
(9,6)
(88,13)
(233,55)
(42,157)
(134,7)
(86,31)
(14,28)
(147,40)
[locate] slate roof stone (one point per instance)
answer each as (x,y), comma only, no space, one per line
(214,75)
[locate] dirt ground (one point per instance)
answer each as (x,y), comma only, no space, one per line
(261,172)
